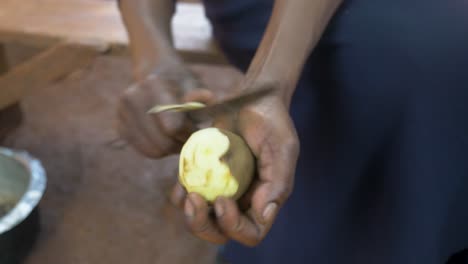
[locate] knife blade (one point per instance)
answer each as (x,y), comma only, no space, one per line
(201,112)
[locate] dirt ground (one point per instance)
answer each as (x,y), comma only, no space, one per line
(104,202)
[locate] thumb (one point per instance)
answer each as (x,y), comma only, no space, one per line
(201,95)
(175,124)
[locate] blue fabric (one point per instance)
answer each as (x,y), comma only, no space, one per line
(238,25)
(382,115)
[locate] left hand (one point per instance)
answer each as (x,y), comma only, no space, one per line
(269,131)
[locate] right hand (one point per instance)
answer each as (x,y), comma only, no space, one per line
(157,136)
(267,128)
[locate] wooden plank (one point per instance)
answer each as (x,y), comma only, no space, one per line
(42,22)
(49,65)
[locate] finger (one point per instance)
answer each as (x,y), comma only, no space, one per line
(276,178)
(144,122)
(199,220)
(199,95)
(245,202)
(172,125)
(178,196)
(129,131)
(177,125)
(276,165)
(251,228)
(266,201)
(167,143)
(241,227)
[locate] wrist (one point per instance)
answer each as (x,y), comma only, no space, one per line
(279,71)
(284,88)
(155,61)
(174,73)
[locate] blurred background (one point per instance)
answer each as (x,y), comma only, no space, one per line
(104,202)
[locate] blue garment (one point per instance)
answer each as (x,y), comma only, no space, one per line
(382,115)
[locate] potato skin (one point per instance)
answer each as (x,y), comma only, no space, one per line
(240,160)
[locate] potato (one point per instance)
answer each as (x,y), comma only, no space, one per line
(215,162)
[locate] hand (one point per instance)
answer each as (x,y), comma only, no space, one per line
(268,130)
(157,136)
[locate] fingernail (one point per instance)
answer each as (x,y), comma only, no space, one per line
(219,208)
(269,211)
(189,209)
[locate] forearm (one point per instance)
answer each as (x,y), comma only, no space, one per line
(294,29)
(148,24)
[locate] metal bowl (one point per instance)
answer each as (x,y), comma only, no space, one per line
(22,185)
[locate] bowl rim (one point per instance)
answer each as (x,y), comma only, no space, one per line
(34,192)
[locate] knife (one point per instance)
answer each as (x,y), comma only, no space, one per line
(200,112)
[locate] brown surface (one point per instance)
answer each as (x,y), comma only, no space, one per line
(43,22)
(16,53)
(104,203)
(54,63)
(10,119)
(3,59)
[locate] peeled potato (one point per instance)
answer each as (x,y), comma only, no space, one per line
(215,162)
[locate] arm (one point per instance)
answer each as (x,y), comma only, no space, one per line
(160,76)
(294,29)
(148,23)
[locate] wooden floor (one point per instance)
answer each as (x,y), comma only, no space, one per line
(43,22)
(73,32)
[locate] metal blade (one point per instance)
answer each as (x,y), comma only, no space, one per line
(202,112)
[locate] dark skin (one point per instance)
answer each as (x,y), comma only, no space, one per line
(162,78)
